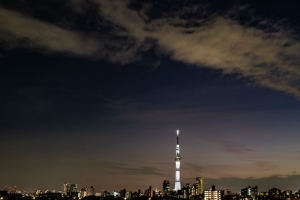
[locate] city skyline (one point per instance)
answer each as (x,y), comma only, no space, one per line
(67,187)
(92,92)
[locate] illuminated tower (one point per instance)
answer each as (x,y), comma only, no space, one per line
(177,164)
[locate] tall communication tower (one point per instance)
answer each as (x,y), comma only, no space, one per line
(177,164)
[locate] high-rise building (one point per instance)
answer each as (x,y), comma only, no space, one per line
(73,192)
(194,189)
(150,192)
(166,186)
(73,188)
(177,165)
(91,191)
(250,192)
(65,188)
(199,183)
(187,191)
(275,193)
(83,192)
(212,194)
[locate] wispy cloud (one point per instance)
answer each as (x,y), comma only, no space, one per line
(269,59)
(262,164)
(116,168)
(228,146)
(20,30)
(242,169)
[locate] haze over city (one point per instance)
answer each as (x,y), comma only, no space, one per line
(92,92)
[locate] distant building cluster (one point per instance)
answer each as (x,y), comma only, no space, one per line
(193,191)
(188,191)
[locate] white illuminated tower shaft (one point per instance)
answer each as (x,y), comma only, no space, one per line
(177,164)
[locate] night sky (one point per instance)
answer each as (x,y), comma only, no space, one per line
(92,92)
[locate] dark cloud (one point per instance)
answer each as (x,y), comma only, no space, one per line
(214,40)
